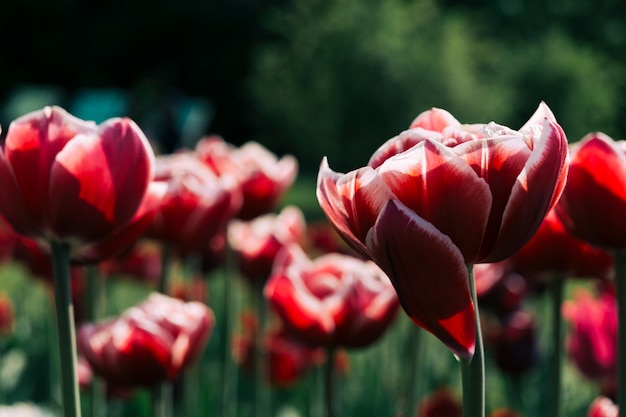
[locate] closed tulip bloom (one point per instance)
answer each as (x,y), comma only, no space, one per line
(593,203)
(554,249)
(264,178)
(442,196)
(73,181)
(592,343)
(257,242)
(333,300)
(440,403)
(149,343)
(603,407)
(196,206)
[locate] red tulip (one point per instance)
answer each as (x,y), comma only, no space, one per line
(69,180)
(258,241)
(263,177)
(593,204)
(147,344)
(441,403)
(7,315)
(142,262)
(592,343)
(499,288)
(197,205)
(288,358)
(603,407)
(431,202)
(515,343)
(554,249)
(334,300)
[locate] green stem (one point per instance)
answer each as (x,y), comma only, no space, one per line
(95,291)
(620,282)
(262,394)
(229,371)
(473,370)
(415,337)
(162,401)
(66,328)
(329,381)
(556,356)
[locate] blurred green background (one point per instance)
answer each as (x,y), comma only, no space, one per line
(315,77)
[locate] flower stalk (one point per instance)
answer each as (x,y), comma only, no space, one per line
(556,299)
(473,370)
(620,282)
(66,328)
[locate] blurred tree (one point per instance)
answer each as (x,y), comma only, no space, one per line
(345,76)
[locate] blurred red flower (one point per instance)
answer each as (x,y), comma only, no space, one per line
(69,180)
(288,358)
(197,205)
(149,343)
(554,249)
(515,342)
(7,315)
(257,242)
(408,212)
(592,342)
(333,300)
(263,178)
(499,288)
(603,407)
(593,203)
(440,403)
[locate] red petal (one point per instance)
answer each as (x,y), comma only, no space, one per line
(98,181)
(535,191)
(352,201)
(435,119)
(12,206)
(441,188)
(403,142)
(32,144)
(594,201)
(429,274)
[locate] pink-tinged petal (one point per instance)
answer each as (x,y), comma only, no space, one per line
(352,201)
(543,112)
(121,239)
(441,188)
(435,119)
(300,310)
(534,193)
(98,181)
(32,144)
(593,203)
(12,205)
(429,274)
(498,161)
(403,142)
(603,407)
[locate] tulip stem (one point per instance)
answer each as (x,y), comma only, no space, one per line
(473,370)
(229,373)
(66,328)
(329,381)
(261,356)
(415,336)
(556,299)
(162,399)
(620,283)
(94,311)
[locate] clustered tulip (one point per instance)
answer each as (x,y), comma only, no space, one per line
(333,300)
(408,212)
(149,343)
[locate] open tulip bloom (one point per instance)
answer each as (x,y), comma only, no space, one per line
(442,196)
(80,188)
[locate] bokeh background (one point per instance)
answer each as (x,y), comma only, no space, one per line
(315,77)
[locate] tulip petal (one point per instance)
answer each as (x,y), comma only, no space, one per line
(32,144)
(352,201)
(403,142)
(98,181)
(593,204)
(12,205)
(435,119)
(535,191)
(441,188)
(429,274)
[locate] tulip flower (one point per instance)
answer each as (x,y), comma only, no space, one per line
(553,249)
(148,344)
(442,196)
(333,300)
(603,407)
(441,403)
(263,177)
(515,344)
(257,242)
(196,206)
(68,180)
(592,344)
(499,288)
(288,358)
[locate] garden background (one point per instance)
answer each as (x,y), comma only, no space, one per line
(310,78)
